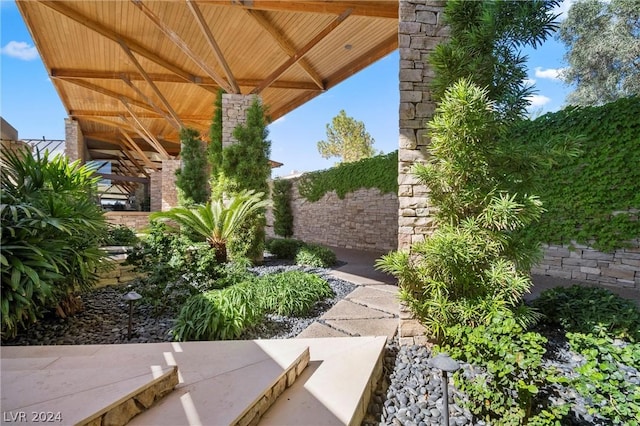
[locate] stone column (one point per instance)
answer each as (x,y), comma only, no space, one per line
(420,30)
(234,112)
(74,147)
(169,188)
(155,191)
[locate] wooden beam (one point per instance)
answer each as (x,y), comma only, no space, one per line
(300,53)
(142,130)
(111,176)
(182,45)
(134,161)
(65,74)
(285,44)
(139,151)
(206,31)
(114,113)
(371,8)
(150,82)
(96,26)
(108,92)
(109,123)
(176,124)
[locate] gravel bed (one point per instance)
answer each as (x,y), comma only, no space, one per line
(105,318)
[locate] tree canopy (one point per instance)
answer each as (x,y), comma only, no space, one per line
(347,139)
(603,50)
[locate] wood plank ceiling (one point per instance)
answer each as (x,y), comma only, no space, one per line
(133,72)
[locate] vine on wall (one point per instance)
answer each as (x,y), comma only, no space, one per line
(376,172)
(594,198)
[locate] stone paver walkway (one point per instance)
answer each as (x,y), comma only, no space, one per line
(372,309)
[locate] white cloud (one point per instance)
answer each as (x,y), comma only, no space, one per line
(538,100)
(550,73)
(21,50)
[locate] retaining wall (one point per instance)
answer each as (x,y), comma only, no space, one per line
(134,220)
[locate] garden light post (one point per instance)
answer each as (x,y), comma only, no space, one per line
(447,364)
(131,297)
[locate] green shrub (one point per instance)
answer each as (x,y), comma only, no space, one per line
(507,387)
(120,235)
(284,248)
(379,172)
(315,255)
(282,213)
(292,293)
(591,310)
(220,314)
(602,383)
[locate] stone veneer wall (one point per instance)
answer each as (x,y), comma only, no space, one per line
(134,220)
(365,219)
(420,30)
(74,147)
(234,112)
(620,268)
(164,194)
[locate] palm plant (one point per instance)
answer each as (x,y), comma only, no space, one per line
(218,220)
(51,230)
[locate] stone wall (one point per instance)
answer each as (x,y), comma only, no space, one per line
(365,219)
(620,268)
(134,220)
(420,30)
(234,112)
(74,147)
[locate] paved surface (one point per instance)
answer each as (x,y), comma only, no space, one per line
(373,308)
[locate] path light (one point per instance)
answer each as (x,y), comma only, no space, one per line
(444,362)
(131,297)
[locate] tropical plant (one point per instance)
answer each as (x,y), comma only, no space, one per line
(119,235)
(292,293)
(601,39)
(191,179)
(218,220)
(51,231)
(315,255)
(347,139)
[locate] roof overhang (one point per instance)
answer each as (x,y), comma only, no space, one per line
(133,72)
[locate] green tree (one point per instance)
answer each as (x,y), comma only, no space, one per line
(215,142)
(484,47)
(191,179)
(218,220)
(347,139)
(51,230)
(603,50)
(282,213)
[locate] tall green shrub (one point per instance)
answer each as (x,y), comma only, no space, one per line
(214,151)
(51,231)
(191,179)
(282,213)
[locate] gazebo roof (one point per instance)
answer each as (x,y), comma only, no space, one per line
(132,72)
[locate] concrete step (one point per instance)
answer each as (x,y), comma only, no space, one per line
(336,387)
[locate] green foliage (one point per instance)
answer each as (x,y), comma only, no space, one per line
(601,39)
(292,293)
(284,248)
(507,389)
(51,231)
(119,235)
(192,178)
(225,314)
(471,269)
(590,198)
(379,172)
(591,310)
(602,382)
(315,255)
(218,220)
(484,47)
(282,213)
(347,139)
(246,162)
(214,150)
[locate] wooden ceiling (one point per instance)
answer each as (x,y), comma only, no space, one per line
(133,72)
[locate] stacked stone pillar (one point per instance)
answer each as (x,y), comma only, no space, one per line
(420,30)
(234,112)
(74,147)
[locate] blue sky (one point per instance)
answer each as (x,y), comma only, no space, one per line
(30,103)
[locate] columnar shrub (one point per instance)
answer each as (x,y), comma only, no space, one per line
(191,179)
(282,213)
